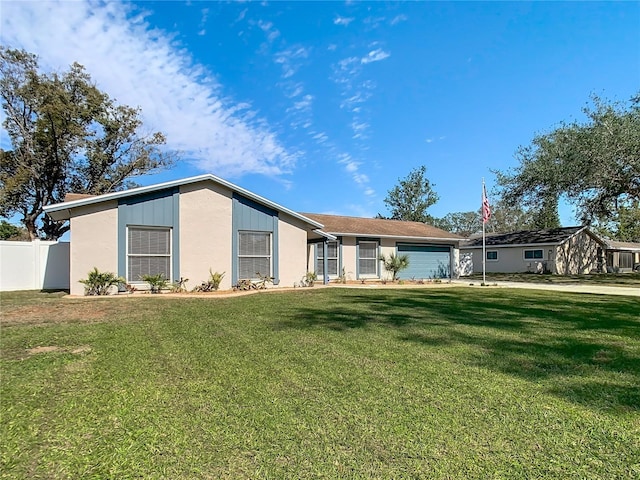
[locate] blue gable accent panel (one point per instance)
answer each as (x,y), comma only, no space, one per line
(251,216)
(154,209)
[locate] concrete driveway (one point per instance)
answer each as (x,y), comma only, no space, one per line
(574,288)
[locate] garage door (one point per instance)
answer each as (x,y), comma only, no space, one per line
(426,261)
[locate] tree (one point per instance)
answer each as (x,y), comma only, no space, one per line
(546,214)
(410,199)
(504,218)
(12,232)
(66,136)
(594,164)
(460,223)
(508,218)
(624,225)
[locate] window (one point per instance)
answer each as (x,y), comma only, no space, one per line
(625,260)
(368,258)
(492,255)
(533,255)
(332,259)
(254,255)
(148,252)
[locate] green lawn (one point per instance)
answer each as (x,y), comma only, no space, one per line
(451,383)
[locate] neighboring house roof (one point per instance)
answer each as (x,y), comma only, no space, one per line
(61,211)
(375,227)
(70,197)
(623,246)
(550,236)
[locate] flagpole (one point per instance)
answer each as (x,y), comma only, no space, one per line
(484,253)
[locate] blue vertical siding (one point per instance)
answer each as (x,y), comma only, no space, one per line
(155,209)
(248,215)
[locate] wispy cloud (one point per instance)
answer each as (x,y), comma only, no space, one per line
(375,56)
(352,167)
(399,18)
(345,21)
(291,59)
(145,67)
(304,104)
(203,21)
(359,129)
(270,31)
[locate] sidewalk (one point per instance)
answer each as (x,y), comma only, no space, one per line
(576,288)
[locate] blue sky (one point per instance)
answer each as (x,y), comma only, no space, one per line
(322,106)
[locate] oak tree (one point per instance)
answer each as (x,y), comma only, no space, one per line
(594,164)
(66,136)
(411,197)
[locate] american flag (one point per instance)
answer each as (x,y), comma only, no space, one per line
(486,208)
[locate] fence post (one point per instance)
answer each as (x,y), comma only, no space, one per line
(37,284)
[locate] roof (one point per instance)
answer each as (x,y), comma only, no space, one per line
(377,227)
(550,236)
(62,211)
(70,197)
(624,246)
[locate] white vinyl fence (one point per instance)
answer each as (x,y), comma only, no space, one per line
(37,265)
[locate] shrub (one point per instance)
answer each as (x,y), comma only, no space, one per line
(309,279)
(100,283)
(215,279)
(179,286)
(394,263)
(156,282)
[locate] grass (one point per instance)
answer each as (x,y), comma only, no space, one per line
(631,279)
(322,383)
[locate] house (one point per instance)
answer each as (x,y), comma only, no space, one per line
(622,256)
(184,228)
(357,244)
(187,228)
(565,251)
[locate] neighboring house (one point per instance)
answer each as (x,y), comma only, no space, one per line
(182,229)
(185,228)
(358,243)
(622,256)
(565,251)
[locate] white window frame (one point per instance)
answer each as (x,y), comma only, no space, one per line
(377,262)
(492,259)
(320,259)
(129,255)
(533,258)
(269,256)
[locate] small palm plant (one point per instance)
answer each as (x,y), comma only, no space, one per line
(394,263)
(156,282)
(100,283)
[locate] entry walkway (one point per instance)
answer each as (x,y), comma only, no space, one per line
(574,288)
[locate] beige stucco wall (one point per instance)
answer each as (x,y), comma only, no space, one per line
(94,242)
(292,253)
(205,232)
(577,255)
(510,259)
(387,247)
(349,258)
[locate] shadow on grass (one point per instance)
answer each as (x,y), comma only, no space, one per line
(587,345)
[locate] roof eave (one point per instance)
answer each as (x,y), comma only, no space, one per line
(401,237)
(514,245)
